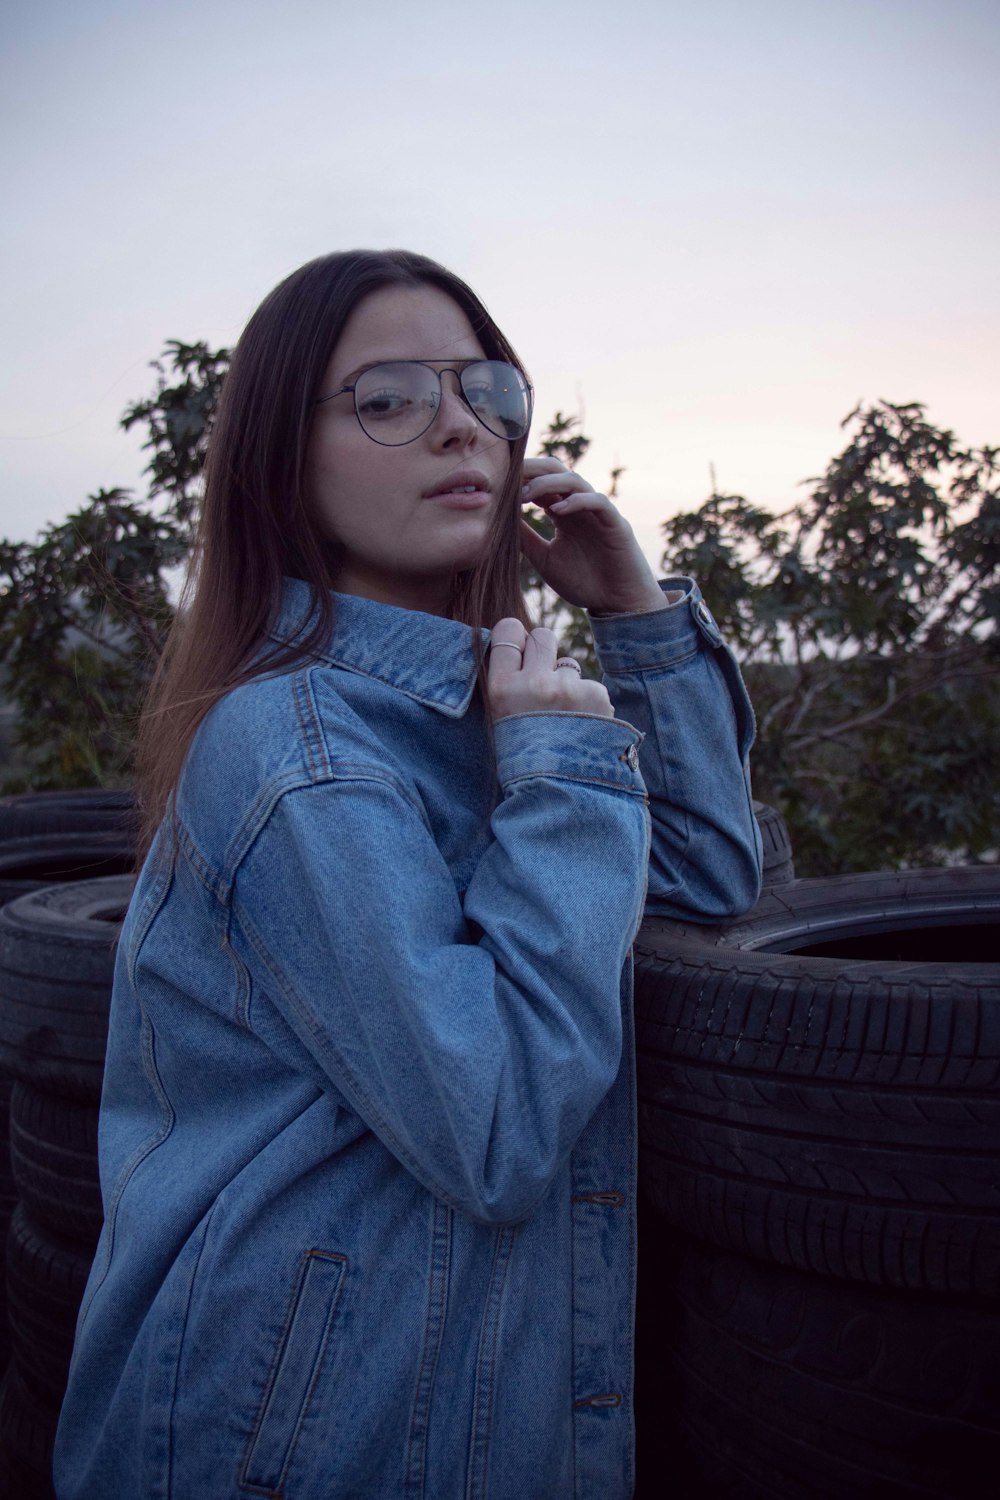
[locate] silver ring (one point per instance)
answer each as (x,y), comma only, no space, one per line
(570,661)
(513,647)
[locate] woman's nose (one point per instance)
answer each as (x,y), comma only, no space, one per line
(455,421)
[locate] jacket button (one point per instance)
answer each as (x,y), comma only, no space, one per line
(706,624)
(632,756)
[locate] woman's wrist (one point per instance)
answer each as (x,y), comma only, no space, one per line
(646,605)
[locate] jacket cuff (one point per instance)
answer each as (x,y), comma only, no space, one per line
(571,746)
(657,637)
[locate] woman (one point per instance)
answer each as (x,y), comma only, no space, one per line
(368,1127)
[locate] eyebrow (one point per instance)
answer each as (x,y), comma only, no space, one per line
(374,363)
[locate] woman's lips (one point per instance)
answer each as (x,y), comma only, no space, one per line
(462,499)
(472,481)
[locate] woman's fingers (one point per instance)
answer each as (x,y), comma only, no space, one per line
(531,681)
(512,649)
(545,479)
(565,505)
(507,643)
(548,487)
(540,651)
(552,468)
(544,464)
(593,558)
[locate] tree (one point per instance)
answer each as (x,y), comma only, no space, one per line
(85,609)
(867,616)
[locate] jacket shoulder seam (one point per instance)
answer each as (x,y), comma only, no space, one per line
(266,805)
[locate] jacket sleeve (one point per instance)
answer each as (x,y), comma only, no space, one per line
(670,674)
(474,1038)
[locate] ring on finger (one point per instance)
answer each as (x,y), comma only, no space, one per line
(512,644)
(570,661)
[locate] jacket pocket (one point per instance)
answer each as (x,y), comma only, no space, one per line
(296,1369)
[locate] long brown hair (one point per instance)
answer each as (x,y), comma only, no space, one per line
(255,526)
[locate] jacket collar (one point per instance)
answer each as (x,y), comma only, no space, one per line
(427,657)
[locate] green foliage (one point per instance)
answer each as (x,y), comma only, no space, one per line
(84,610)
(177,417)
(564,440)
(867,616)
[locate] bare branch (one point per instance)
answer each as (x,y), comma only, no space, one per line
(893,698)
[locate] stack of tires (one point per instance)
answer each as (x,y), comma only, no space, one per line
(56,966)
(819,1303)
(819,1270)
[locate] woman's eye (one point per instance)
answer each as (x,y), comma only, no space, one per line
(385,403)
(478,395)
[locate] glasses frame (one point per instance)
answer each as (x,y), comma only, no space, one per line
(458,370)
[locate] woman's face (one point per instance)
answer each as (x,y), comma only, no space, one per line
(403,535)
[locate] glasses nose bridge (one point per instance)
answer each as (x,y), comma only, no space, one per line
(464,404)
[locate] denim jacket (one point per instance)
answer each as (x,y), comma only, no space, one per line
(367,1138)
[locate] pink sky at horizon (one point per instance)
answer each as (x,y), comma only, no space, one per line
(713,231)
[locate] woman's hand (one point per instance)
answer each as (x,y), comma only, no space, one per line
(594,559)
(524,676)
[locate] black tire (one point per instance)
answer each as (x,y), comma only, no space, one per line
(29,863)
(779,867)
(75,810)
(8,1199)
(53,1152)
(27,1437)
(46,1280)
(57,950)
(837,1114)
(774,1385)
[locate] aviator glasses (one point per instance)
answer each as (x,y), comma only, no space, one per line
(397,401)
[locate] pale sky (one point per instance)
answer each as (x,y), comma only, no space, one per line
(713,226)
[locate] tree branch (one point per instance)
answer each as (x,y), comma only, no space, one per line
(892,700)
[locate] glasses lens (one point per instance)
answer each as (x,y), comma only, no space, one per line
(499,396)
(397,402)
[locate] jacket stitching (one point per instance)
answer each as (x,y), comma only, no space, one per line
(200,867)
(145,918)
(616,667)
(482,1408)
(241,975)
(444,697)
(248,1484)
(256,821)
(597,781)
(180,1346)
(344,1078)
(147,1042)
(339,771)
(568,713)
(663,758)
(220,885)
(310,722)
(434,1320)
